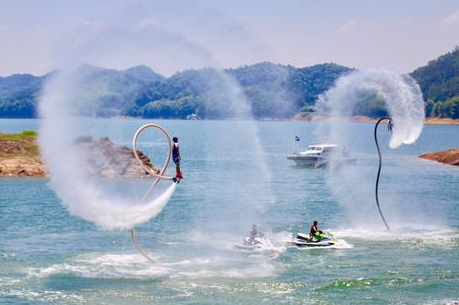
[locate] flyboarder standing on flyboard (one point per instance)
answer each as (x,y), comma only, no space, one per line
(176,158)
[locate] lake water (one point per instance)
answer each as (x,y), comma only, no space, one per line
(48,256)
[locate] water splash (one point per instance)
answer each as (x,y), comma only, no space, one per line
(241,200)
(67,97)
(400,96)
(71,95)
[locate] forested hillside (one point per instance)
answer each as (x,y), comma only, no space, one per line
(439,82)
(272,91)
(18,95)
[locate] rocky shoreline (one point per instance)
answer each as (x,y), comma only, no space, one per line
(20,157)
(23,167)
(449,156)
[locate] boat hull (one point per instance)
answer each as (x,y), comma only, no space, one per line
(303,160)
(304,244)
(303,240)
(317,161)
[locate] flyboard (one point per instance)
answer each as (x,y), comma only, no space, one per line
(159,176)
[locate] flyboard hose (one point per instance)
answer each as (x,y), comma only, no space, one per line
(159,176)
(379,168)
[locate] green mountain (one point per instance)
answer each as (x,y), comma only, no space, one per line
(105,92)
(281,91)
(439,81)
(272,91)
(18,95)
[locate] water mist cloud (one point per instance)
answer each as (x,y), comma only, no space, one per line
(394,95)
(401,95)
(70,94)
(68,97)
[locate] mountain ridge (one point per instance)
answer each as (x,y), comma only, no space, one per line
(141,92)
(273,90)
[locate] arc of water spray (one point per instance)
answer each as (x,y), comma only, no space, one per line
(159,176)
(379,167)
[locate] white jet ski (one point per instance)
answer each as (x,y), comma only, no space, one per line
(323,239)
(259,241)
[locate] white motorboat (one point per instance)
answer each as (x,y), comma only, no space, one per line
(319,155)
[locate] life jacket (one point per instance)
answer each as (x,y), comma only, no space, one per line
(313,230)
(175,150)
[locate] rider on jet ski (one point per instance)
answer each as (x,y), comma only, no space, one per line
(254,233)
(314,230)
(255,240)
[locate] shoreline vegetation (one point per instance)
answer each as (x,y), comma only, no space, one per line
(20,156)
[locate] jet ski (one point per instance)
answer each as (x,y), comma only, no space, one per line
(322,239)
(250,243)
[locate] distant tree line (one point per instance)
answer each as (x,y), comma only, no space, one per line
(439,82)
(270,90)
(18,95)
(446,109)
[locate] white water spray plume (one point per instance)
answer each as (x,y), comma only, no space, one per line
(69,96)
(400,94)
(84,195)
(353,185)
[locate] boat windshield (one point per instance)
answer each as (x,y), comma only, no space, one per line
(315,148)
(334,149)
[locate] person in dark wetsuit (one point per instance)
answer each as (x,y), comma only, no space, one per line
(176,158)
(253,234)
(314,230)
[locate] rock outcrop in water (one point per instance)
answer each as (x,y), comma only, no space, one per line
(108,160)
(23,167)
(449,156)
(20,157)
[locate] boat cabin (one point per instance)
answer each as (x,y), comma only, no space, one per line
(324,149)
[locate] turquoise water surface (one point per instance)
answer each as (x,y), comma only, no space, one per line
(233,179)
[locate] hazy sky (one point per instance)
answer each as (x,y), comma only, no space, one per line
(36,35)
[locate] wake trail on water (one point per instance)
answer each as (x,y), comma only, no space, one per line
(228,242)
(427,234)
(128,266)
